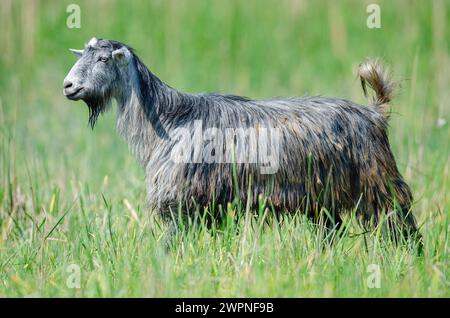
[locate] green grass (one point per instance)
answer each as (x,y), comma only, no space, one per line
(69,195)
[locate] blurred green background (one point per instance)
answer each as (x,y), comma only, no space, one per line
(50,157)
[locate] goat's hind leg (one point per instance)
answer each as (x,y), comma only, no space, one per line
(329,223)
(401,226)
(404,226)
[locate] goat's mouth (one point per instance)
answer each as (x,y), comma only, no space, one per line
(73,94)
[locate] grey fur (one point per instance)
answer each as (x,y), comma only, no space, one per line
(334,153)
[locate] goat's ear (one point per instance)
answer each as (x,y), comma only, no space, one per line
(122,55)
(77,53)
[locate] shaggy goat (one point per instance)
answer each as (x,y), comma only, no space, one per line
(301,153)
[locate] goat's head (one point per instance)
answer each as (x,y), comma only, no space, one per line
(98,75)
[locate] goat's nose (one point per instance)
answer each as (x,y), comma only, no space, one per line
(67,84)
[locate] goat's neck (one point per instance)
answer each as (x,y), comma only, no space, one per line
(143,124)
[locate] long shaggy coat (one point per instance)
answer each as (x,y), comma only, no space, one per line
(332,153)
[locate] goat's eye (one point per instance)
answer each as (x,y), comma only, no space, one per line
(104,59)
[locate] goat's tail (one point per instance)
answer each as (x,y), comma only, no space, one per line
(377,77)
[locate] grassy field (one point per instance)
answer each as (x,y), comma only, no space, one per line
(72,200)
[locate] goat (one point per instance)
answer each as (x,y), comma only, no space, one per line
(325,153)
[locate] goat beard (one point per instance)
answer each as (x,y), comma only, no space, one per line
(96,107)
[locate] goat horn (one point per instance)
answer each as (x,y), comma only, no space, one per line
(76,52)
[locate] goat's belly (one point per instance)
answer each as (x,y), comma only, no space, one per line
(299,187)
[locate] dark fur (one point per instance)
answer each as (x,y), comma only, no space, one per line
(335,154)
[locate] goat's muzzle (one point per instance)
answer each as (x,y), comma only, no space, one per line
(71,91)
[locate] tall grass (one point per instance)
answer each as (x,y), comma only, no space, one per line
(69,195)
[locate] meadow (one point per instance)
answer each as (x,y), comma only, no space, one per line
(73,214)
